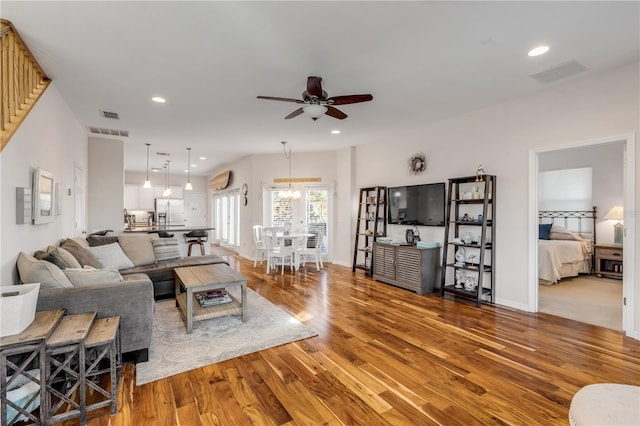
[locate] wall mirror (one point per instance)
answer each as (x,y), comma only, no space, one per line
(43,196)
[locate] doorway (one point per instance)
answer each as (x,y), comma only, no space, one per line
(628,165)
(226,219)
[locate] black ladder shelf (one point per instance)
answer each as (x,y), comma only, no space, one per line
(470,213)
(371,224)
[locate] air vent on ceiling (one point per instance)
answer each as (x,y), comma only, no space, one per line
(558,72)
(111,115)
(110,132)
(166,154)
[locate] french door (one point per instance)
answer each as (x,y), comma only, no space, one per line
(226,213)
(311,211)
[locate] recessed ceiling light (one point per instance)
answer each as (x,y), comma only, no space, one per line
(203,158)
(186,170)
(335,132)
(155,170)
(158,99)
(539,50)
(194,165)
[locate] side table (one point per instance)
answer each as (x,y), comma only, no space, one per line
(65,368)
(608,259)
(30,347)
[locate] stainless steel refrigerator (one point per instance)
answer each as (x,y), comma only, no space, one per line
(170,212)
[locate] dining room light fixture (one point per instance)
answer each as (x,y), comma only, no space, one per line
(147,183)
(617,213)
(167,191)
(188,186)
(314,111)
(289,193)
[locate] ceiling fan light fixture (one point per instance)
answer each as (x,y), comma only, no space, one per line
(314,111)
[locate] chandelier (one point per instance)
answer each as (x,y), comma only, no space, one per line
(289,193)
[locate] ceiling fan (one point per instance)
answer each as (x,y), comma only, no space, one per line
(316,102)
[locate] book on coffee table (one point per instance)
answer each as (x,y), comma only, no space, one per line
(213,297)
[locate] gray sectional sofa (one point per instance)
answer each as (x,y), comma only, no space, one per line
(92,275)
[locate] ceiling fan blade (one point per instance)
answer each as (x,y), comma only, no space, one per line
(271,98)
(335,113)
(314,86)
(294,114)
(350,99)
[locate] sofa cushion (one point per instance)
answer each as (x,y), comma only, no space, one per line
(86,277)
(163,271)
(111,256)
(32,270)
(100,240)
(62,258)
(81,253)
(165,248)
(138,248)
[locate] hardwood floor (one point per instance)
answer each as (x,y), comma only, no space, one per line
(387,356)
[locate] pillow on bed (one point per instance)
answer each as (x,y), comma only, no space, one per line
(560,233)
(544,231)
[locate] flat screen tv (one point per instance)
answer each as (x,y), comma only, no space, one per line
(417,205)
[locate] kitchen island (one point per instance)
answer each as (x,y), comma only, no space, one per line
(178,233)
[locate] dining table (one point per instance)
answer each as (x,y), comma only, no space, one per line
(297,240)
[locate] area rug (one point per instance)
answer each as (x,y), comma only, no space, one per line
(173,351)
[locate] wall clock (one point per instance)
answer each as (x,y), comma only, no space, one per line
(417,163)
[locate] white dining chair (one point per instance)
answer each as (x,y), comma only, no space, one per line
(314,252)
(258,241)
(278,254)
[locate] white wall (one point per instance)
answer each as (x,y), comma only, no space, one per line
(52,138)
(105,186)
(606,162)
(500,138)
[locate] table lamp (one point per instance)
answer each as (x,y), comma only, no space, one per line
(616,213)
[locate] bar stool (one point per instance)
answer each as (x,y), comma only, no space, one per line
(198,238)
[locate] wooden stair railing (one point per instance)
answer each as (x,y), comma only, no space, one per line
(23,81)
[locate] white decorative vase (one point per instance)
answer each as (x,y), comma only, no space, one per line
(17,307)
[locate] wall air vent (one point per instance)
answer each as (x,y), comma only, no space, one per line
(111,115)
(559,72)
(109,132)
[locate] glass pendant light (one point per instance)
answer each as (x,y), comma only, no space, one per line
(147,183)
(188,186)
(167,191)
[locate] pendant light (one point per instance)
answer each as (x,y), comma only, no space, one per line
(289,193)
(147,183)
(188,186)
(167,191)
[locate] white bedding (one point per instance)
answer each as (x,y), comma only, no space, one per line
(563,258)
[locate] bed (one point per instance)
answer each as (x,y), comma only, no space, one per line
(565,247)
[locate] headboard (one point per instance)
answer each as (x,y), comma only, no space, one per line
(571,216)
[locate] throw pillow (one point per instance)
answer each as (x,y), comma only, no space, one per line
(32,270)
(562,233)
(82,255)
(62,259)
(138,248)
(165,248)
(42,254)
(100,240)
(544,231)
(111,256)
(89,277)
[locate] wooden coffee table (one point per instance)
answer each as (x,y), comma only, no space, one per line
(194,279)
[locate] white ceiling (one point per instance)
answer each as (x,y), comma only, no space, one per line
(422,61)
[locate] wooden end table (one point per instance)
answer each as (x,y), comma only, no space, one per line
(208,277)
(608,260)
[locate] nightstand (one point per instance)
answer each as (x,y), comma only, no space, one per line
(608,260)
